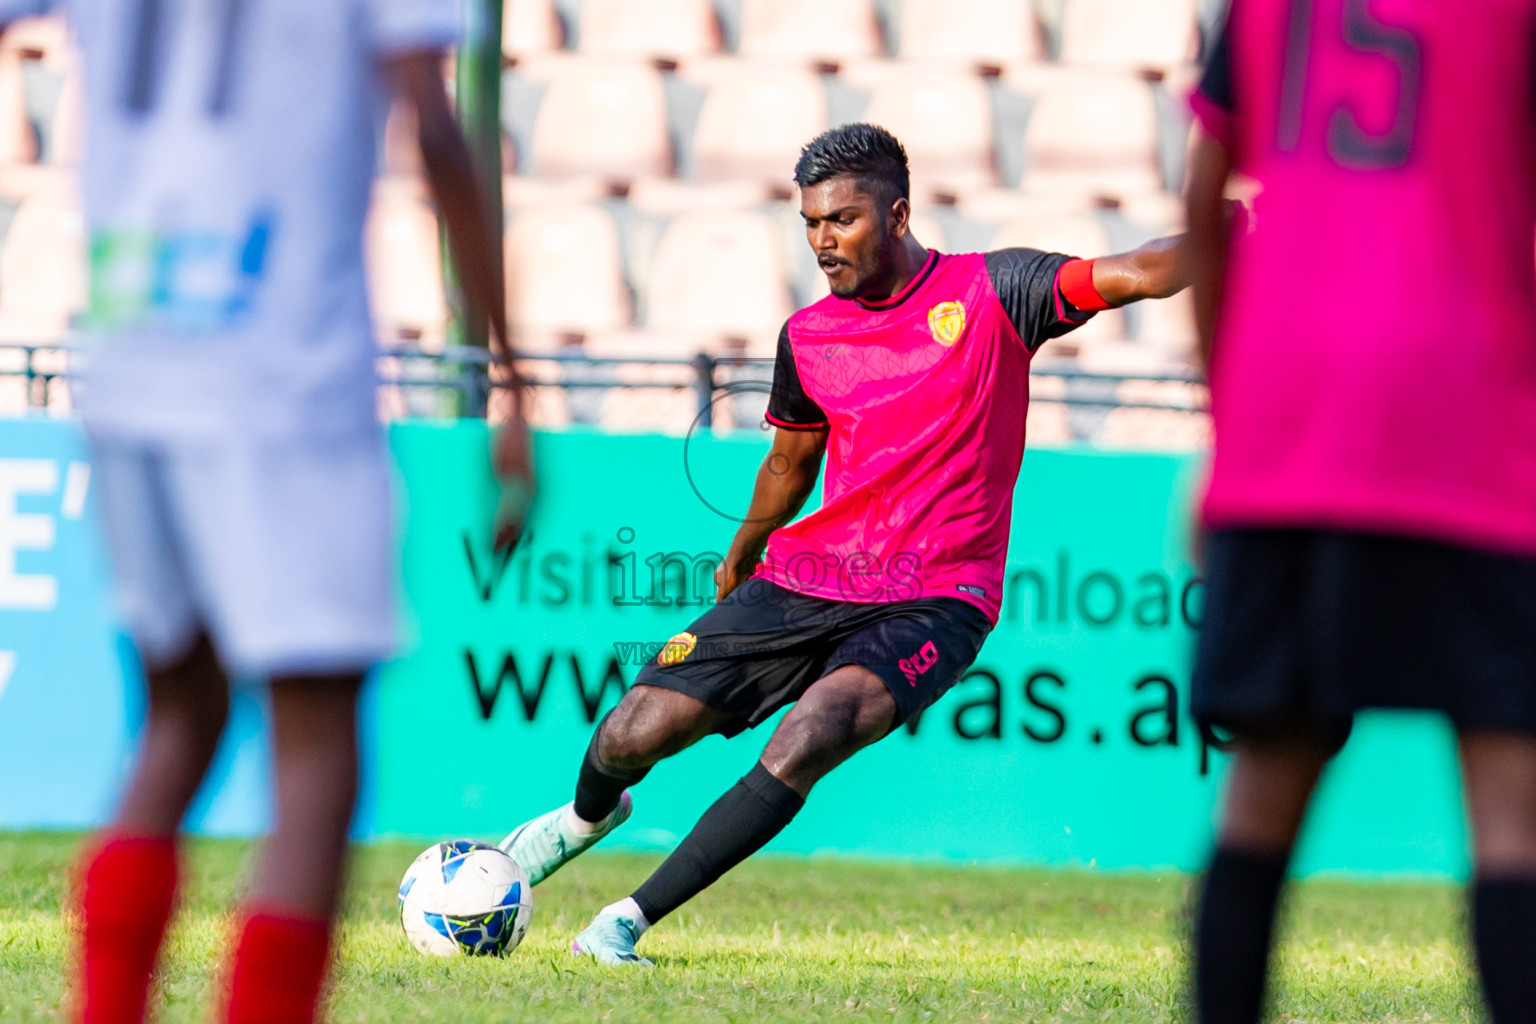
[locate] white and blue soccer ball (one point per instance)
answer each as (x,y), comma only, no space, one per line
(465,898)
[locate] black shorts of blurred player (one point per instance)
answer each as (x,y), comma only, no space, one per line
(1305,628)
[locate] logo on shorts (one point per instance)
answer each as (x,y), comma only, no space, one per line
(676,649)
(946,321)
(926,657)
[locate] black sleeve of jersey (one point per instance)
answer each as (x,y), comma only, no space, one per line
(788,404)
(1025,282)
(1216,83)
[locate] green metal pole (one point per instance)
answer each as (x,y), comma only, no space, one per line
(477,96)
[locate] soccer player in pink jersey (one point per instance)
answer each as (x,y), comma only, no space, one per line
(1371,511)
(911,379)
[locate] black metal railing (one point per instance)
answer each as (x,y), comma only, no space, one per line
(458,381)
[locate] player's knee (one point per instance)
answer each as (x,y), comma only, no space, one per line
(640,732)
(816,735)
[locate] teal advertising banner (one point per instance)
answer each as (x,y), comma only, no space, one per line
(1068,744)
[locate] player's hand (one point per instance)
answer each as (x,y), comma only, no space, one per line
(512,462)
(732,573)
(1239,218)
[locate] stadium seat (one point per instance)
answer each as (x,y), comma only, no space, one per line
(564,270)
(404,266)
(530,26)
(43,264)
(649,28)
(719,273)
(809,29)
(983,31)
(18,144)
(517,192)
(1076,235)
(1129,33)
(1162,212)
(665,197)
(944,119)
(927,230)
(602,117)
(1168,326)
(1092,134)
(754,121)
(46,39)
(1080,235)
(997,206)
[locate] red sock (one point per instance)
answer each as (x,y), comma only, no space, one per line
(127,891)
(279,968)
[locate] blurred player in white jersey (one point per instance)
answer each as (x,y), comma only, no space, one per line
(230,399)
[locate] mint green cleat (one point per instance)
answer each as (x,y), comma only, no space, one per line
(610,940)
(544,845)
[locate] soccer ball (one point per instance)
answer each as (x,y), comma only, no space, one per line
(467,898)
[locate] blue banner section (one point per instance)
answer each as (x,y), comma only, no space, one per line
(70,696)
(1069,743)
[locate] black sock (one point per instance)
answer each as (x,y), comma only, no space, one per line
(1233,932)
(738,824)
(598,787)
(1504,935)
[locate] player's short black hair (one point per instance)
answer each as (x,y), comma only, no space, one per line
(865,152)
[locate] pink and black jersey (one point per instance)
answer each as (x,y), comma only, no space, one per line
(924,397)
(1375,365)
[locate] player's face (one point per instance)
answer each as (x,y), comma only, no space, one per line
(853,236)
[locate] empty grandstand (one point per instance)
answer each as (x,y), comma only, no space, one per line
(650,219)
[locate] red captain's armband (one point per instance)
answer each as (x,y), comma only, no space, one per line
(1075,279)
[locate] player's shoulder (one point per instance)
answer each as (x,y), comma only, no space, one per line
(1021,266)
(818,313)
(1018,256)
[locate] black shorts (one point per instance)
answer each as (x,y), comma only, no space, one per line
(1305,627)
(763,646)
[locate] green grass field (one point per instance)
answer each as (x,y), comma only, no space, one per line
(792,940)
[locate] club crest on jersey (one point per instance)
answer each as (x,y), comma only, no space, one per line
(946,321)
(676,649)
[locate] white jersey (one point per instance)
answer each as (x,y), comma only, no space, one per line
(229,151)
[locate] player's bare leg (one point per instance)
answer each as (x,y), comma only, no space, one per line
(839,715)
(648,725)
(1268,790)
(130,874)
(1499,772)
(284,946)
(188,706)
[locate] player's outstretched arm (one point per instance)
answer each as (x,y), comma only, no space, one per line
(784,480)
(1155,271)
(1208,215)
(450,172)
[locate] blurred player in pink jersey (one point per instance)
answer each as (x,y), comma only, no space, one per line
(231,404)
(1371,512)
(912,381)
